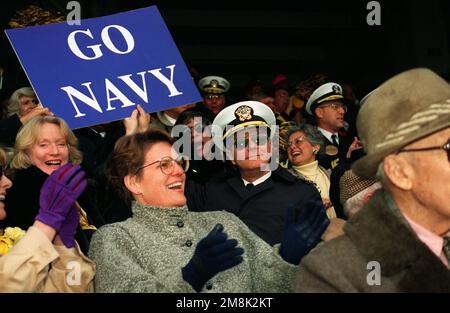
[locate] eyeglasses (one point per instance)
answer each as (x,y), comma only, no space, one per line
(210,97)
(242,143)
(167,164)
(445,147)
(335,106)
(296,142)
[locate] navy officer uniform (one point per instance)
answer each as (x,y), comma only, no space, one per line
(335,139)
(261,204)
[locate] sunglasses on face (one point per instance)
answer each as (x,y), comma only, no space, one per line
(242,143)
(445,147)
(167,164)
(211,97)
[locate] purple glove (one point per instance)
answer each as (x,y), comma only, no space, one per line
(59,193)
(69,227)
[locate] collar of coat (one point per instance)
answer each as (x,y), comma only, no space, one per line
(381,233)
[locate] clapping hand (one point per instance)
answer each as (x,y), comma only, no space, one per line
(214,253)
(303,233)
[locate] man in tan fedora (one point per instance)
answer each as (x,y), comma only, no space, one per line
(398,241)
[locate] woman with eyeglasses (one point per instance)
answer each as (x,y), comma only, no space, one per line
(165,247)
(46,257)
(304,145)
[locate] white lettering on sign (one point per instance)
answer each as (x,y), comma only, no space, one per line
(96,48)
(114,93)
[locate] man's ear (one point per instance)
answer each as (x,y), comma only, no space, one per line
(132,184)
(318,112)
(399,171)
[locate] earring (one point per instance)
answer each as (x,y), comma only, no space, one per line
(315,151)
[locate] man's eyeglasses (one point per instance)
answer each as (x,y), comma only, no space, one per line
(445,147)
(242,143)
(167,164)
(210,97)
(335,106)
(296,142)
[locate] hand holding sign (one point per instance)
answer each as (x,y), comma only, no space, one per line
(138,122)
(110,64)
(39,110)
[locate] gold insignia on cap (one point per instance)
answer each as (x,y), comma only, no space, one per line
(244,113)
(337,90)
(331,150)
(214,83)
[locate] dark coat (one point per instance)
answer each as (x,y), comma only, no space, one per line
(22,204)
(377,233)
(263,209)
(331,161)
(9,127)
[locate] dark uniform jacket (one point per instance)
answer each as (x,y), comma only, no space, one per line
(262,209)
(377,233)
(335,155)
(22,204)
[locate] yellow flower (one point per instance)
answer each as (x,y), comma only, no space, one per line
(15,233)
(5,245)
(9,238)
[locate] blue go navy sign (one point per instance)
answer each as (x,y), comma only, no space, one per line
(97,72)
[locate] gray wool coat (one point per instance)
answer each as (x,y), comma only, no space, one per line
(145,253)
(377,233)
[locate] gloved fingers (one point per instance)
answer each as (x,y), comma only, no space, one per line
(71,175)
(231,263)
(320,228)
(220,248)
(60,172)
(306,213)
(76,180)
(217,229)
(228,255)
(211,240)
(63,172)
(320,215)
(291,214)
(215,236)
(80,187)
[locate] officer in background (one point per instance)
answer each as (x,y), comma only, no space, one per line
(214,89)
(328,110)
(256,190)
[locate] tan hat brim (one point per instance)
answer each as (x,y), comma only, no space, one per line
(367,166)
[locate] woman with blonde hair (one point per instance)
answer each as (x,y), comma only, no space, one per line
(43,145)
(39,259)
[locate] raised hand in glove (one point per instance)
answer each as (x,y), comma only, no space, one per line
(69,227)
(59,193)
(303,233)
(214,253)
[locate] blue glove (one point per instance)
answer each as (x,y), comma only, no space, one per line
(302,234)
(214,253)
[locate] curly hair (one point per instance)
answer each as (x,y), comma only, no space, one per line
(313,135)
